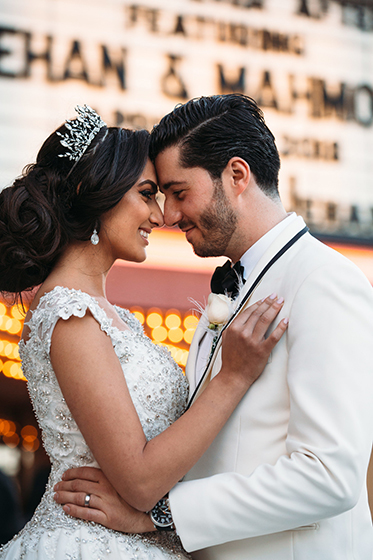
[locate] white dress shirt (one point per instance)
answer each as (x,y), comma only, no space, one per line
(249,260)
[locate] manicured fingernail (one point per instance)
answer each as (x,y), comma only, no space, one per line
(280,300)
(55,486)
(66,509)
(63,476)
(55,496)
(273,296)
(286,321)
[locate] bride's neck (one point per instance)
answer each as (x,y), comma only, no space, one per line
(82,267)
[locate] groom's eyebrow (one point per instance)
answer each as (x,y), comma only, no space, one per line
(171,184)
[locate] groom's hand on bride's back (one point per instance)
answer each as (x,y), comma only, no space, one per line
(105,505)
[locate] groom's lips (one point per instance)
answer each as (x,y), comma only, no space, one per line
(188,232)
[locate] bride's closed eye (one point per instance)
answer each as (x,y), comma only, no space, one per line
(149,193)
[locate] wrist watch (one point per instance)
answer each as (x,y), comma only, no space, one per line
(161,515)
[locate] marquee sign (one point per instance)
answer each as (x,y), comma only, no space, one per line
(308,63)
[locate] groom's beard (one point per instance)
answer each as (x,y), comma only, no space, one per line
(216,225)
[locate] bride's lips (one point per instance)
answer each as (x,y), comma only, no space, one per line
(144,233)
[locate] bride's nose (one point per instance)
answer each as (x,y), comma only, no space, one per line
(156,216)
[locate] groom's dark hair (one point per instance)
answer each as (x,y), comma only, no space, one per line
(212,130)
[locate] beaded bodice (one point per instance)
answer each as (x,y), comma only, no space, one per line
(157,386)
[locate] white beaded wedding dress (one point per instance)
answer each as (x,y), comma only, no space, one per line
(159,391)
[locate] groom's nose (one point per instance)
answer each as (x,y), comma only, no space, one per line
(172,215)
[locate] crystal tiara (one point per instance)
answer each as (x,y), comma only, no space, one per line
(80,132)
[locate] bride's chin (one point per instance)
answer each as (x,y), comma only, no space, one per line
(137,258)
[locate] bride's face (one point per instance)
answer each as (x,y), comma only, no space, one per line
(125,228)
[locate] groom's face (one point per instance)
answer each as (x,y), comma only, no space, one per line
(196,203)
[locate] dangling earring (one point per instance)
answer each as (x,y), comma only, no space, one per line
(94,237)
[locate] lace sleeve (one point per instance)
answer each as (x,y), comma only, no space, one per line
(63,303)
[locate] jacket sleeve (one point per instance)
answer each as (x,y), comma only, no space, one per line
(329,439)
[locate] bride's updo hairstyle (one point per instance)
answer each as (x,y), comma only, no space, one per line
(57,201)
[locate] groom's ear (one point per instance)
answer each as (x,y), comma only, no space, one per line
(237,175)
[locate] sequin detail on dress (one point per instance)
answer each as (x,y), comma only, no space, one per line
(159,391)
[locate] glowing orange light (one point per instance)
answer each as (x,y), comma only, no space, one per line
(9,428)
(4,426)
(15,326)
(11,440)
(6,368)
(31,445)
(173,321)
(188,335)
(140,316)
(159,334)
(15,352)
(13,369)
(2,309)
(8,349)
(190,322)
(16,371)
(17,313)
(183,359)
(175,334)
(29,431)
(154,320)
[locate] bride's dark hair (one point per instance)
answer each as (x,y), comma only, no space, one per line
(57,201)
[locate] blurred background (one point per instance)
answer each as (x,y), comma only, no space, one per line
(308,63)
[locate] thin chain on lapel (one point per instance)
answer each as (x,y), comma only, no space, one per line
(244,300)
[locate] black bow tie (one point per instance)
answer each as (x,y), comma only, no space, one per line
(226,279)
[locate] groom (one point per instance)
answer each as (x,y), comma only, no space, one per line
(285,478)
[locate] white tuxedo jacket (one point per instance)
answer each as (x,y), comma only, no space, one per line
(286,477)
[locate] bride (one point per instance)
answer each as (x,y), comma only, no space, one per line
(103,394)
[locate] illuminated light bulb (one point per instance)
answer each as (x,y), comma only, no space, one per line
(184,358)
(29,431)
(159,334)
(15,353)
(9,428)
(188,335)
(2,346)
(178,355)
(1,365)
(31,446)
(4,426)
(154,320)
(6,368)
(175,335)
(16,326)
(30,439)
(172,321)
(172,350)
(16,371)
(139,316)
(11,441)
(190,322)
(8,349)
(2,309)
(3,319)
(17,313)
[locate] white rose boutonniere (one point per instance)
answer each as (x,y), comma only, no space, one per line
(218,310)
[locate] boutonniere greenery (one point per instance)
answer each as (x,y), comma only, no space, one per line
(218,310)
